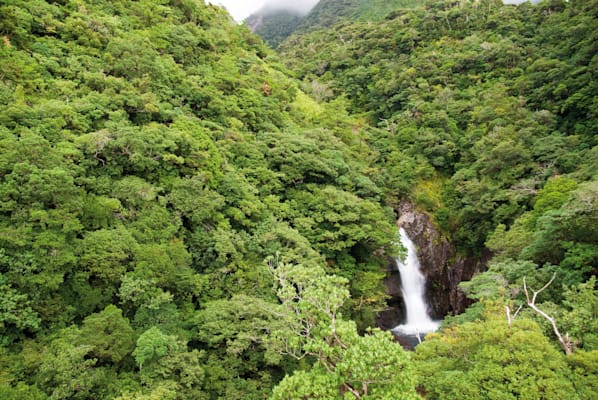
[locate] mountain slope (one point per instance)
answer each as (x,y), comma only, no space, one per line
(400,71)
(487,115)
(153,155)
(276,25)
(180,220)
(330,12)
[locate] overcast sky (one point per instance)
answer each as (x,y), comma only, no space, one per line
(241,9)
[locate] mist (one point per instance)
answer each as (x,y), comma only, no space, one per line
(519,1)
(297,6)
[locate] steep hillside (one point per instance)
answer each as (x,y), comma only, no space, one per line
(330,12)
(274,26)
(487,116)
(432,78)
(181,218)
(153,155)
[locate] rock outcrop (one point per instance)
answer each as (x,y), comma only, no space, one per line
(440,264)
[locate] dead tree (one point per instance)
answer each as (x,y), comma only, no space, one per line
(565,341)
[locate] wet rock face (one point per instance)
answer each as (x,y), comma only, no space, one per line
(394,314)
(443,269)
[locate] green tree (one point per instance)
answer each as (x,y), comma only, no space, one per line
(346,364)
(109,334)
(491,360)
(153,345)
(67,370)
(16,314)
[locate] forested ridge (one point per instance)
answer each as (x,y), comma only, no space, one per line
(275,25)
(185,214)
(328,13)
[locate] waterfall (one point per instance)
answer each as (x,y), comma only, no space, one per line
(413,285)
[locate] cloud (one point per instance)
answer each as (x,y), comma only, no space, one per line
(519,1)
(298,6)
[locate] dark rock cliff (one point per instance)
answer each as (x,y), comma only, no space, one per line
(440,264)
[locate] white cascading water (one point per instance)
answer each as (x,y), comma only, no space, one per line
(413,285)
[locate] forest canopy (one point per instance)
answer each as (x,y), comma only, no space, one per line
(186,214)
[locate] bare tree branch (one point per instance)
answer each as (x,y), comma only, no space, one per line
(565,341)
(352,390)
(510,318)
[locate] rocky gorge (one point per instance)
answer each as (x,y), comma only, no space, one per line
(442,267)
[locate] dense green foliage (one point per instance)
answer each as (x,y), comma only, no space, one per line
(363,367)
(275,26)
(487,120)
(491,99)
(490,360)
(327,13)
(153,154)
(181,219)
